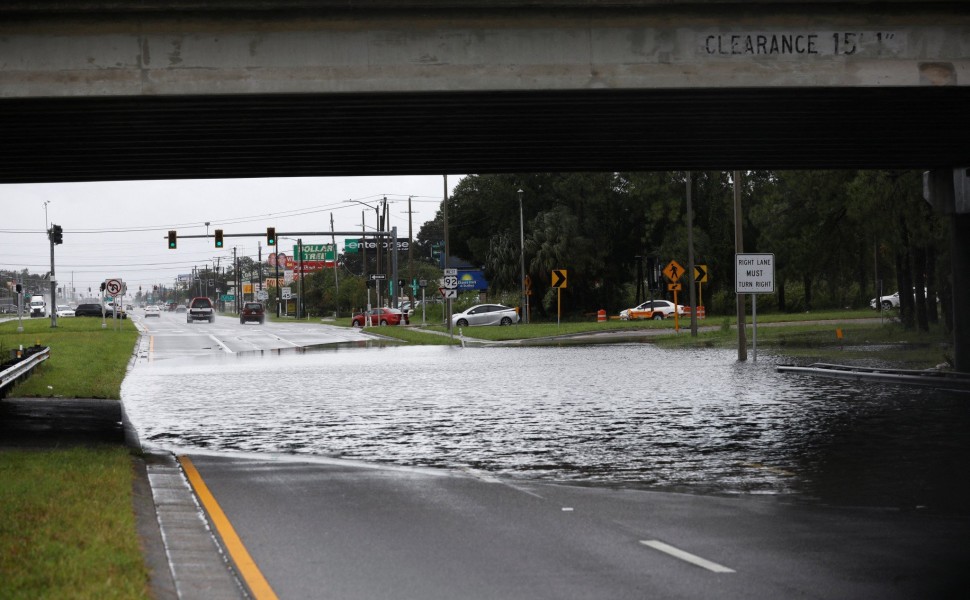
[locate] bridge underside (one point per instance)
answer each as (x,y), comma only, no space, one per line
(273,135)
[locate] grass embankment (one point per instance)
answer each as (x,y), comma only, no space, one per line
(861,341)
(67,526)
(541,330)
(86,360)
(807,336)
(413,336)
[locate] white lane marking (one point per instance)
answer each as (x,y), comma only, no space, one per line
(224,347)
(686,556)
(294,344)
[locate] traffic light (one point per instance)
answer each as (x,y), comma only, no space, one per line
(218,238)
(19,288)
(172,240)
(270,236)
(102,286)
(57,234)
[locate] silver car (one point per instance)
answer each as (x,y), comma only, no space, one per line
(485,314)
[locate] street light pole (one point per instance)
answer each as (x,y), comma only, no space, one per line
(525,298)
(299,301)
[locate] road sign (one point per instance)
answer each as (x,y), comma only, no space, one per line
(450,282)
(700,273)
(559,278)
(674,287)
(673,271)
(228,297)
(754,273)
(262,295)
(450,272)
(114,287)
(378,276)
(422,283)
(314,252)
(287,293)
(448,294)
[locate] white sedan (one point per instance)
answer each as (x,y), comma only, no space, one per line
(152,311)
(64,310)
(485,314)
(653,309)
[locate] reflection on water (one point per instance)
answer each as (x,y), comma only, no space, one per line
(631,415)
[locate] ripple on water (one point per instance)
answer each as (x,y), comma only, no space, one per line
(623,414)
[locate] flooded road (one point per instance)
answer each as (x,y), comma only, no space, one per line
(630,415)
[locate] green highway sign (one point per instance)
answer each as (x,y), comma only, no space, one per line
(228,297)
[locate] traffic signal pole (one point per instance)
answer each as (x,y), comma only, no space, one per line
(53,307)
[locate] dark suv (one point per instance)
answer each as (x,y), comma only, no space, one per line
(252,311)
(200,309)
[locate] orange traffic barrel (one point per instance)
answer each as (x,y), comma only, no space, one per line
(601,316)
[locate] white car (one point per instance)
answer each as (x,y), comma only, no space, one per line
(653,309)
(152,311)
(64,310)
(892,301)
(485,314)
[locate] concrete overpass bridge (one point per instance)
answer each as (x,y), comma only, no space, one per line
(160,89)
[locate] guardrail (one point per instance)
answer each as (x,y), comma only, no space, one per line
(947,380)
(21,369)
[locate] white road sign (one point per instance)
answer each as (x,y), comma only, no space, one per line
(448,294)
(754,273)
(287,293)
(450,282)
(114,287)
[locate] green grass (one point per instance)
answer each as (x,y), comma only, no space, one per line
(413,336)
(86,361)
(888,342)
(67,529)
(541,330)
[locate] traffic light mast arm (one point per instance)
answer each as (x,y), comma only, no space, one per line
(327,233)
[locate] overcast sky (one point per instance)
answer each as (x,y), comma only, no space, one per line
(118,229)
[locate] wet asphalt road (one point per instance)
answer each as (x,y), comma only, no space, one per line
(338,530)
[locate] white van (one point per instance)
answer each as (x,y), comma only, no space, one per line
(38,306)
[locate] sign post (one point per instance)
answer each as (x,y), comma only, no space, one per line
(673,271)
(450,285)
(558,282)
(754,274)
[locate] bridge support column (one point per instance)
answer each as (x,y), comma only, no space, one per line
(949,192)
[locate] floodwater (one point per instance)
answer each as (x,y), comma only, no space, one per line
(630,415)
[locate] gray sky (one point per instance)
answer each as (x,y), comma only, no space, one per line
(118,229)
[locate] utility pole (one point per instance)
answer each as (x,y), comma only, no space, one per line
(690,256)
(410,254)
(336,288)
(363,247)
(739,249)
(235,279)
(299,301)
(445,210)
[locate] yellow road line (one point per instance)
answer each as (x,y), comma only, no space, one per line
(245,564)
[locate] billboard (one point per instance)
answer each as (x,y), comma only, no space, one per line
(354,246)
